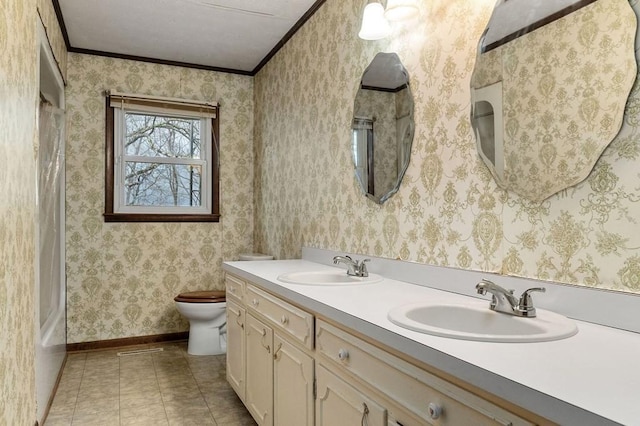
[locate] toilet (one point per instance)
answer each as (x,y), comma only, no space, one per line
(254,256)
(206,312)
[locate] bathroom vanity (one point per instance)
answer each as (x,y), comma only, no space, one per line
(328,355)
(269,354)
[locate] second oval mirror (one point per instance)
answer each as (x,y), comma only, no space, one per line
(382,129)
(549,89)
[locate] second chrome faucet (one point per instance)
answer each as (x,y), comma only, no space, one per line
(504,301)
(354,267)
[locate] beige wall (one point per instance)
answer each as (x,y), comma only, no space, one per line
(18,143)
(449,210)
(54,34)
(122,277)
(18,96)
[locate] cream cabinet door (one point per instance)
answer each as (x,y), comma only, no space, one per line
(259,379)
(236,352)
(293,403)
(337,403)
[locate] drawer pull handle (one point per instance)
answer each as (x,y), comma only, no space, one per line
(262,341)
(255,302)
(239,320)
(275,352)
(343,354)
(284,320)
(232,290)
(435,410)
(365,414)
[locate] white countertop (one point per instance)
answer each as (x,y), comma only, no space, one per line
(592,378)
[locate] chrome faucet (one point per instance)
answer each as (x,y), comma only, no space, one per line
(354,268)
(504,301)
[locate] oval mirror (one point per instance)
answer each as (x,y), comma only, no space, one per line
(382,129)
(549,88)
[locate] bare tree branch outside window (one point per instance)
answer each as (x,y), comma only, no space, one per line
(158,169)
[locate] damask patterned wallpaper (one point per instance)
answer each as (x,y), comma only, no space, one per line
(54,34)
(122,277)
(449,211)
(18,97)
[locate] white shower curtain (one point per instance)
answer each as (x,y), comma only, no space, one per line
(50,164)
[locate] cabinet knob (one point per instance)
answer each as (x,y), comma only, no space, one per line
(284,319)
(255,302)
(435,410)
(343,354)
(232,290)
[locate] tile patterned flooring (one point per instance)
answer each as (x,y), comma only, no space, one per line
(154,388)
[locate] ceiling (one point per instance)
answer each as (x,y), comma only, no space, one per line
(224,35)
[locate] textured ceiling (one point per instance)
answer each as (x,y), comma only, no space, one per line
(235,35)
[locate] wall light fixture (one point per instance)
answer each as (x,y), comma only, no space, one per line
(399,10)
(375,18)
(374,25)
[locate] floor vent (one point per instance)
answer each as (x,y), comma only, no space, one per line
(140,352)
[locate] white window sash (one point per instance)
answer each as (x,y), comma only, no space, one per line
(206,146)
(163,160)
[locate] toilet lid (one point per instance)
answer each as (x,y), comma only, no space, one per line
(206,296)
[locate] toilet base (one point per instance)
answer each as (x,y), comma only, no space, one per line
(206,340)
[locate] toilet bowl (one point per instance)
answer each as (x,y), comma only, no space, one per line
(206,312)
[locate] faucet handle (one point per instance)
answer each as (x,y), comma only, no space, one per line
(362,268)
(525,305)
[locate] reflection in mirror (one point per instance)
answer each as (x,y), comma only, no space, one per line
(549,88)
(382,129)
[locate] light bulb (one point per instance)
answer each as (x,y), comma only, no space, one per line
(374,25)
(399,10)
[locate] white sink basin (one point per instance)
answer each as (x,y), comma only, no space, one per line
(338,277)
(475,321)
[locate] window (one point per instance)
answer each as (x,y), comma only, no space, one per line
(362,129)
(161,160)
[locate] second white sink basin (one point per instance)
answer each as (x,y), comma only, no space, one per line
(475,321)
(338,277)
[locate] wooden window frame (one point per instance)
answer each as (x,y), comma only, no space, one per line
(111,216)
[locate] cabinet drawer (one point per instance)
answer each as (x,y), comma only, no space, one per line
(294,322)
(415,390)
(235,288)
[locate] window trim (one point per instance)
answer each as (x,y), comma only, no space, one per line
(110,188)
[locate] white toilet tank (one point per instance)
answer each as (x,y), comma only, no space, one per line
(254,256)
